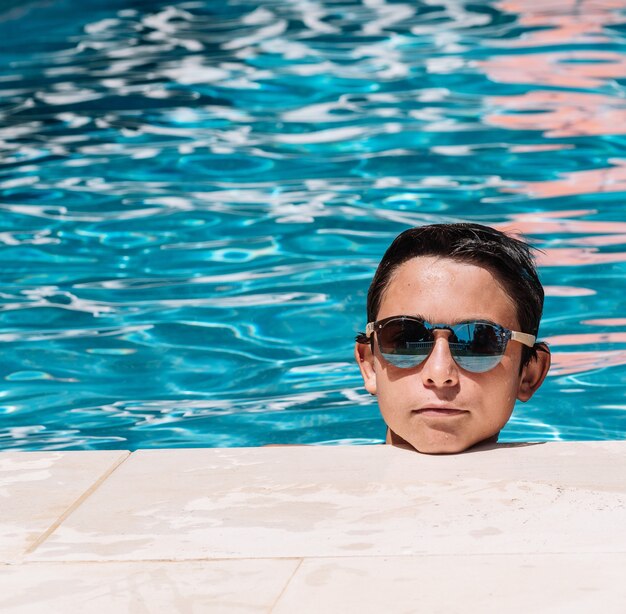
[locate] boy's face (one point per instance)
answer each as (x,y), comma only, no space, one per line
(418,404)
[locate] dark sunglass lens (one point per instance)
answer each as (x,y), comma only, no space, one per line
(404,342)
(477,363)
(479,346)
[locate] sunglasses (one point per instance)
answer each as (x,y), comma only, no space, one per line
(476,346)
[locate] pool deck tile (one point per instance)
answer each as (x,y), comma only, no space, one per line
(38,489)
(515,584)
(337,529)
(343,501)
(227,587)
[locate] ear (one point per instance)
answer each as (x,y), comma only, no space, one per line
(534,373)
(365,360)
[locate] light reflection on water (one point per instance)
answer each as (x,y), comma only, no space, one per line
(195,196)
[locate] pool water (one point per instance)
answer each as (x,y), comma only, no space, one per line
(195,195)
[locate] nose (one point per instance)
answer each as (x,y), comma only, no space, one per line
(439,370)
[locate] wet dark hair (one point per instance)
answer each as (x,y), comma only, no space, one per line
(508,258)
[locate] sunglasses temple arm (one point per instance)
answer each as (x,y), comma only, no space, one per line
(524,338)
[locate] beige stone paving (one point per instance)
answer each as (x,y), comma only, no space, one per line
(511,584)
(38,488)
(538,527)
(547,583)
(344,501)
(235,586)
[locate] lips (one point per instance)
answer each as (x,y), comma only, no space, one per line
(440,412)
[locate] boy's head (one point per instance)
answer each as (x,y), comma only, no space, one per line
(445,388)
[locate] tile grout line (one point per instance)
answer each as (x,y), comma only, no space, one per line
(421,555)
(315,557)
(75,505)
(282,592)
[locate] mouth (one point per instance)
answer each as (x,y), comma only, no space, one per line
(439,412)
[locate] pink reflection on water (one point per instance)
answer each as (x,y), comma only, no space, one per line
(577,257)
(552,222)
(569,21)
(606,322)
(587,338)
(564,363)
(576,69)
(612,179)
(580,362)
(567,291)
(584,252)
(560,114)
(595,241)
(537,147)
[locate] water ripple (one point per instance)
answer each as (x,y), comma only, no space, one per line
(195,195)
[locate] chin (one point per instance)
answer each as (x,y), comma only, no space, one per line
(433,442)
(442,447)
(452,445)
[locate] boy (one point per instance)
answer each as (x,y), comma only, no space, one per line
(453,313)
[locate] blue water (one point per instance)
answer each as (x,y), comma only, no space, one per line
(195,194)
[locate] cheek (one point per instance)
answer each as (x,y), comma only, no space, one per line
(495,391)
(502,395)
(384,387)
(394,391)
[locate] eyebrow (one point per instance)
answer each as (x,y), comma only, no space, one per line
(420,316)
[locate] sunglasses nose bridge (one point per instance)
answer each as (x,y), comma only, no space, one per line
(440,368)
(441,330)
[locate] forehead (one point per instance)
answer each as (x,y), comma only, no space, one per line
(445,290)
